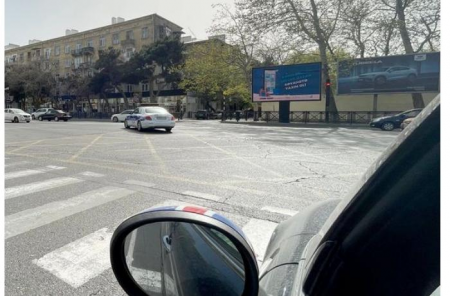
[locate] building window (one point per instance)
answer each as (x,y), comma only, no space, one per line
(145,87)
(67,63)
(145,33)
(66,75)
(21,57)
(57,50)
(102,42)
(46,66)
(67,49)
(129,53)
(38,52)
(77,61)
(129,88)
(129,35)
(47,53)
(78,47)
(90,43)
(29,55)
(115,37)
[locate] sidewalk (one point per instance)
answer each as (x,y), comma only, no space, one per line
(300,124)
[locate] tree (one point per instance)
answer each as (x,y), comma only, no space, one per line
(211,73)
(311,20)
(158,64)
(29,81)
(418,25)
(112,65)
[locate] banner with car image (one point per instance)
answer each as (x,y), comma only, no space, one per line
(410,73)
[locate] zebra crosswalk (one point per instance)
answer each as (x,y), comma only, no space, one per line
(86,256)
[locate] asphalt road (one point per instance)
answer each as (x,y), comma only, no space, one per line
(68,186)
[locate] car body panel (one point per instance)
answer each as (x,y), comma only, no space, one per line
(389,74)
(12,113)
(40,111)
(159,120)
(52,114)
(122,116)
(396,119)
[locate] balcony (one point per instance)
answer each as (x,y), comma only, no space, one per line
(88,50)
(128,42)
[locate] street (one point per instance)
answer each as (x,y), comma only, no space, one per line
(70,184)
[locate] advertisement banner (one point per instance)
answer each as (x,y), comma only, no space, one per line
(300,82)
(392,74)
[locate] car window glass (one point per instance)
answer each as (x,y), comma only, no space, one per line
(136,111)
(156,110)
(6,111)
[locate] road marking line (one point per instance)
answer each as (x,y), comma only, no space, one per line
(78,262)
(82,150)
(91,174)
(280,211)
(238,157)
(39,186)
(26,173)
(16,163)
(202,195)
(259,233)
(27,220)
(26,146)
(156,155)
(139,183)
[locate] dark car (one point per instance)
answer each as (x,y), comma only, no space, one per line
(203,114)
(389,123)
(55,115)
(383,238)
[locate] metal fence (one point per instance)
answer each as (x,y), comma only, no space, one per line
(349,117)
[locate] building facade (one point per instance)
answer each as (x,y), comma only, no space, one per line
(79,51)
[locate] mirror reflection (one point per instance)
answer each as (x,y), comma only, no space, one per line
(180,258)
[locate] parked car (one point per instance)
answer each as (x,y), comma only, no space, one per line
(406,122)
(55,115)
(17,115)
(201,114)
(390,74)
(389,123)
(40,111)
(150,118)
(383,238)
(121,116)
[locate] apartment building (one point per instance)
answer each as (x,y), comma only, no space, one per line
(78,51)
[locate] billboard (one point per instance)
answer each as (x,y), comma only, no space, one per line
(300,82)
(392,74)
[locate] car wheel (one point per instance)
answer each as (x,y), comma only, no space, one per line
(169,130)
(139,127)
(125,124)
(16,120)
(49,119)
(65,120)
(33,117)
(115,119)
(40,118)
(56,118)
(387,126)
(380,80)
(411,78)
(28,121)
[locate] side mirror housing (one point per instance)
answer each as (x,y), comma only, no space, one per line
(183,251)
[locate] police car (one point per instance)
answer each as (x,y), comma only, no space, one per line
(150,118)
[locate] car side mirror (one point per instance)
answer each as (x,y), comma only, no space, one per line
(183,251)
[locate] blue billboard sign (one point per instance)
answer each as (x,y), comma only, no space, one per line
(392,74)
(301,82)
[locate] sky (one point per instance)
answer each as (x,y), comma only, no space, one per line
(46,19)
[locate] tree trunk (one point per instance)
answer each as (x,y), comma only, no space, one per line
(125,99)
(326,75)
(153,97)
(417,98)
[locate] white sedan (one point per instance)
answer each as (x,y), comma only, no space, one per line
(121,116)
(150,118)
(16,115)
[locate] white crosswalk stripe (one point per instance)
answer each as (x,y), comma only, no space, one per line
(78,262)
(21,190)
(87,257)
(16,163)
(26,173)
(27,220)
